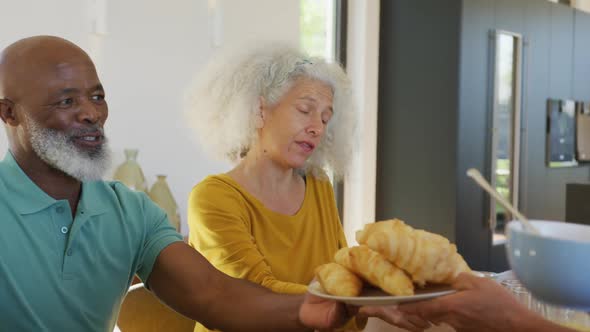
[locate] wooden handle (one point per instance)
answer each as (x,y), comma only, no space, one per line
(476,175)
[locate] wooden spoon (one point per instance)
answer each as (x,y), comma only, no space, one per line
(476,175)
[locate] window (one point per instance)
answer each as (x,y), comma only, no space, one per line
(506,125)
(318,28)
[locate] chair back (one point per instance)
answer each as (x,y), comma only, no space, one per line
(141,311)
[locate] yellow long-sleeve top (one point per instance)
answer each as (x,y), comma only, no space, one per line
(244,239)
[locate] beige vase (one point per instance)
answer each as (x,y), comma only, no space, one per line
(160,193)
(130,172)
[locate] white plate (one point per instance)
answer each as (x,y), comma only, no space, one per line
(374,296)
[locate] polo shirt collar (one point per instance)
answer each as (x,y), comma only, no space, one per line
(28,198)
(93,200)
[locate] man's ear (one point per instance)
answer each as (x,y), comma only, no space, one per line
(7,112)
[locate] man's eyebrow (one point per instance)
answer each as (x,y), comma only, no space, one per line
(65,91)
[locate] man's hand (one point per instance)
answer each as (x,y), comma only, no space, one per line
(321,314)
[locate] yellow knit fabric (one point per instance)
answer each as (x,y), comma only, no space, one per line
(244,239)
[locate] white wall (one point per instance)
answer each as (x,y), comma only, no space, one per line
(19,20)
(145,60)
(363,69)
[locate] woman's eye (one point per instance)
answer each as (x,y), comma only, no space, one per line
(303,110)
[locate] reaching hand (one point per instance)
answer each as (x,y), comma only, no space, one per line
(479,305)
(392,315)
(321,314)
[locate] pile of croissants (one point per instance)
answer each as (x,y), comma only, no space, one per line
(392,256)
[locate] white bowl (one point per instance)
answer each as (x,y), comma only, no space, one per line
(554,265)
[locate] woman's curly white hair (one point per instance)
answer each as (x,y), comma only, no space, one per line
(223,103)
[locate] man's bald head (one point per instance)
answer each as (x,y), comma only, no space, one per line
(53,107)
(22,61)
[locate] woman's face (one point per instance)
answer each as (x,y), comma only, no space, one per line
(292,128)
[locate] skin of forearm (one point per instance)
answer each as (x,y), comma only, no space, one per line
(185,281)
(256,308)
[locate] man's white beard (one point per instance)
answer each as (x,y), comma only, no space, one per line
(59,151)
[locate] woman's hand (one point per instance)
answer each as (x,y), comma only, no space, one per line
(479,305)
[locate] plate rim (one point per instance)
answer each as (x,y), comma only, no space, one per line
(375,300)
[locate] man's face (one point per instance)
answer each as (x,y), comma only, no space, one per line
(59,150)
(64,110)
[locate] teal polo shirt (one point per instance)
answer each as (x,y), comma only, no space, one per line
(59,273)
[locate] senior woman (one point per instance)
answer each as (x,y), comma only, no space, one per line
(284,120)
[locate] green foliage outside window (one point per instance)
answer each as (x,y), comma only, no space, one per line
(313,26)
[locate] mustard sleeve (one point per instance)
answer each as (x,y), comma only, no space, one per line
(341,238)
(219,230)
(342,243)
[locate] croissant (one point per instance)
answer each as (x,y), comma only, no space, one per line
(375,269)
(426,256)
(338,280)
